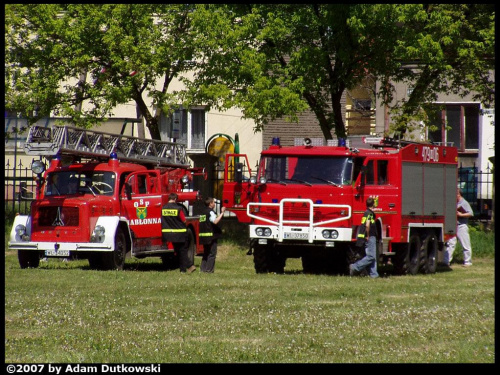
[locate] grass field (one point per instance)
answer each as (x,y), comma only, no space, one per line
(64,312)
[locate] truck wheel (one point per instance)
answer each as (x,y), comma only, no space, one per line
(416,257)
(409,259)
(260,258)
(430,247)
(28,258)
(115,260)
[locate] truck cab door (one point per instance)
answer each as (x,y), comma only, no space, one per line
(141,203)
(237,192)
(378,180)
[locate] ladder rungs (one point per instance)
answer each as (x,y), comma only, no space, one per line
(66,140)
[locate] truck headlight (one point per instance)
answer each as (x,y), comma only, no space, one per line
(185,179)
(99,230)
(20,230)
(98,234)
(329,233)
(263,232)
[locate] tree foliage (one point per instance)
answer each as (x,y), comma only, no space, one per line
(275,60)
(82,60)
(451,47)
(269,60)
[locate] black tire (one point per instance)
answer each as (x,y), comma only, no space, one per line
(28,258)
(115,260)
(409,259)
(261,258)
(430,247)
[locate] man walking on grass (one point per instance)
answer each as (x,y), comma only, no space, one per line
(367,236)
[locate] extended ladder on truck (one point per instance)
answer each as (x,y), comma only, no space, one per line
(67,140)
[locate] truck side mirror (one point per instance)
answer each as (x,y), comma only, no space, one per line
(362,177)
(238,172)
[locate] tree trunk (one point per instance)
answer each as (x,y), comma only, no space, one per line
(152,123)
(324,124)
(337,115)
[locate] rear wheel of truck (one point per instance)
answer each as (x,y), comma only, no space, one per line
(28,258)
(430,247)
(115,260)
(410,259)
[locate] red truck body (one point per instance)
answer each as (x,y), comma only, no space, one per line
(103,210)
(307,201)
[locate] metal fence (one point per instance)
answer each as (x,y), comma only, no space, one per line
(477,189)
(20,188)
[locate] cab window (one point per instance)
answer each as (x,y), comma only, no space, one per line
(377,172)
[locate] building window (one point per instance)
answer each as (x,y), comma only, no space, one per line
(362,104)
(186,127)
(458,124)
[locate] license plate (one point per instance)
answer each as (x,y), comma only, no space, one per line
(295,236)
(58,253)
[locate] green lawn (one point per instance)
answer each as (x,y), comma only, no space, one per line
(65,312)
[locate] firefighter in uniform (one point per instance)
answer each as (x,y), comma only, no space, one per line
(173,228)
(209,233)
(367,236)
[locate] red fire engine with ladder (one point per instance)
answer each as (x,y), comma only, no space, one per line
(306,201)
(101,198)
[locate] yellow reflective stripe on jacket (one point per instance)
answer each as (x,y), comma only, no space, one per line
(207,234)
(174,230)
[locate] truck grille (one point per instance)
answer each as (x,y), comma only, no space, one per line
(58,216)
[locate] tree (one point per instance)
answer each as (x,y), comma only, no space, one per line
(451,48)
(269,60)
(274,60)
(82,60)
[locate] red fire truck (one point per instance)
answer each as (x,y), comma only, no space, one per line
(307,201)
(101,198)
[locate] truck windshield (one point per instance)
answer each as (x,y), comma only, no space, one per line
(69,183)
(309,170)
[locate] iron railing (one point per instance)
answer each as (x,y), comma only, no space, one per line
(20,187)
(477,189)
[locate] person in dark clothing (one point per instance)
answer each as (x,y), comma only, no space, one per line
(173,228)
(367,236)
(209,233)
